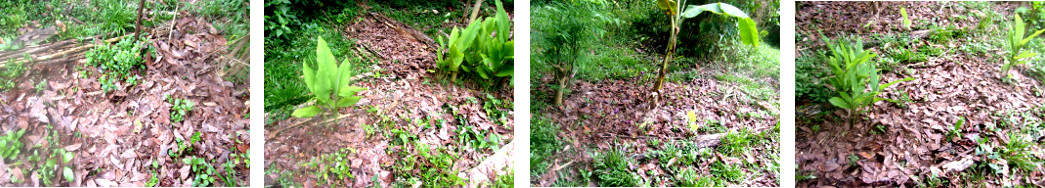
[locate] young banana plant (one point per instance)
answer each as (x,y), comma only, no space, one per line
(1015,42)
(329,83)
(678,11)
(460,41)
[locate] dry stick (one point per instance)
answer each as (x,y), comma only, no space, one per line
(66,52)
(33,50)
(173,21)
(475,10)
(138,23)
(273,134)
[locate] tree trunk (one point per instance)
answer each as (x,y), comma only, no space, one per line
(562,89)
(138,23)
(667,58)
(475,10)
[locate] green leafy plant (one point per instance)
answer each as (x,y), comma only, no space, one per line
(180,108)
(117,61)
(12,70)
(677,11)
(10,145)
(332,168)
(612,169)
(1015,43)
(956,130)
(459,42)
(204,171)
(853,72)
(329,83)
(483,48)
(183,146)
(496,49)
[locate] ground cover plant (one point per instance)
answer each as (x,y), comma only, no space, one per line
(963,108)
(415,124)
(123,93)
(595,65)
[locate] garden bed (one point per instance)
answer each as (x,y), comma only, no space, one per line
(959,123)
(126,137)
(410,128)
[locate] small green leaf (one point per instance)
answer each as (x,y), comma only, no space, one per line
(307,112)
(68,156)
(68,173)
(906,22)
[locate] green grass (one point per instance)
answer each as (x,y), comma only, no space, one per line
(612,169)
(543,144)
(737,143)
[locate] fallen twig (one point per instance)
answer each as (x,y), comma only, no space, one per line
(61,53)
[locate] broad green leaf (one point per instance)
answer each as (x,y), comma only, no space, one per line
(349,91)
(310,76)
(668,5)
(748,31)
(841,103)
(326,73)
(747,27)
(717,8)
(1026,40)
(1025,55)
(307,112)
(692,116)
(348,101)
(345,73)
(906,22)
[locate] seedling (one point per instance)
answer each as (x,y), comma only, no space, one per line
(180,108)
(1015,43)
(10,145)
(853,72)
(956,130)
(329,84)
(204,171)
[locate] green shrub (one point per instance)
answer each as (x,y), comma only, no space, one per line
(853,71)
(117,63)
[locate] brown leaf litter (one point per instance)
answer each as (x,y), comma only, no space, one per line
(123,132)
(913,144)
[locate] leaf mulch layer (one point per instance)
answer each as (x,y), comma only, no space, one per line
(864,18)
(117,136)
(406,95)
(910,142)
(606,114)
